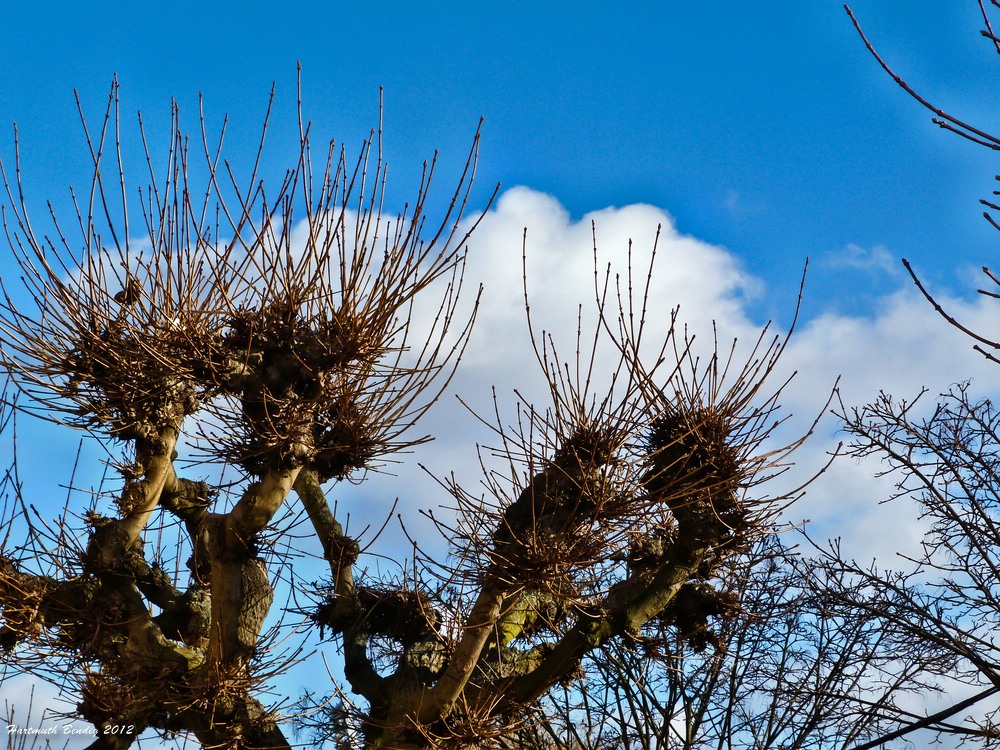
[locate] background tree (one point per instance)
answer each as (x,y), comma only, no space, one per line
(943,454)
(221,339)
(946,599)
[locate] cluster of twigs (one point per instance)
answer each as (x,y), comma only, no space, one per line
(274,331)
(285,347)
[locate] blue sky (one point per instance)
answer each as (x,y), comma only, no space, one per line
(759,133)
(765,128)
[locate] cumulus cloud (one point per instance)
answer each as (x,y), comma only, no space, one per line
(705,281)
(900,345)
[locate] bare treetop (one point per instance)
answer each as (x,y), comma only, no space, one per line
(298,334)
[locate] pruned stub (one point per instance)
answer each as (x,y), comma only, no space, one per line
(695,469)
(297,380)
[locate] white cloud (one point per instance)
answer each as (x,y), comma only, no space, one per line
(856,258)
(706,281)
(903,347)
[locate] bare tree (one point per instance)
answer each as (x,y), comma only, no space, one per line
(295,365)
(830,652)
(621,507)
(943,603)
(943,454)
(300,364)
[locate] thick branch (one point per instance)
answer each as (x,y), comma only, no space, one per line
(241,591)
(480,626)
(552,504)
(328,531)
(110,542)
(628,606)
(158,467)
(260,502)
(241,596)
(189,501)
(248,727)
(341,552)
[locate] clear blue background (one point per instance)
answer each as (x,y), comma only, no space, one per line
(763,127)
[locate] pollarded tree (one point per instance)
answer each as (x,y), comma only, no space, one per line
(619,512)
(294,363)
(295,336)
